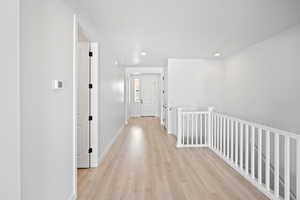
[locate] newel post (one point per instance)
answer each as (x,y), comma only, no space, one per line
(179,127)
(210,112)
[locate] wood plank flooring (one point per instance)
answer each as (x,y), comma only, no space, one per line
(144,164)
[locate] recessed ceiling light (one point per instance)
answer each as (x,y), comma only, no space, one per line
(143,53)
(116,62)
(217,54)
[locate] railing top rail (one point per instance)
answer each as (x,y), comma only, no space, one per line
(264,127)
(191,109)
(195,112)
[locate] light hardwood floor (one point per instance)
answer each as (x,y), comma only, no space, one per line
(145,164)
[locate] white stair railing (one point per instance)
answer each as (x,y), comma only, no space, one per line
(267,157)
(192,128)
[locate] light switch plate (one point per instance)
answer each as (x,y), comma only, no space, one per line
(57,84)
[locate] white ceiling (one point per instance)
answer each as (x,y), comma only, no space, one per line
(187,28)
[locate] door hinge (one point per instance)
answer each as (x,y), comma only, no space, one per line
(91,54)
(90,118)
(90,150)
(90,85)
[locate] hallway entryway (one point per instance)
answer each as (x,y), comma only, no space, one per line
(144,163)
(145,95)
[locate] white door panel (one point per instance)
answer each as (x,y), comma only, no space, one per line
(149,95)
(145,99)
(83,106)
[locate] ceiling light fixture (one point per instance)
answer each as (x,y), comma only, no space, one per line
(143,53)
(217,54)
(116,62)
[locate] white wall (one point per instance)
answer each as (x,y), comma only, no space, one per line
(262,82)
(199,81)
(9,101)
(193,83)
(112,100)
(47,137)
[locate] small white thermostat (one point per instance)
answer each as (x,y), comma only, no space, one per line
(57,85)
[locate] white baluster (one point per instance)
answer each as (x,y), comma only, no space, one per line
(268,160)
(222,135)
(212,130)
(236,143)
(179,127)
(210,110)
(201,129)
(205,127)
(218,131)
(231,140)
(190,129)
(228,134)
(197,131)
(241,147)
(215,131)
(247,149)
(259,155)
(287,169)
(187,129)
(252,152)
(192,133)
(196,126)
(184,128)
(298,169)
(276,166)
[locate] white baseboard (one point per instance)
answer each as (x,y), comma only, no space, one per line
(107,148)
(72,197)
(171,133)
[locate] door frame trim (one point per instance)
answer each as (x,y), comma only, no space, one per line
(144,71)
(94,47)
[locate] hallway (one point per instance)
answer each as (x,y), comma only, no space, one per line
(145,164)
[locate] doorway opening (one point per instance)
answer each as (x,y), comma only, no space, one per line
(144,95)
(85,103)
(84,146)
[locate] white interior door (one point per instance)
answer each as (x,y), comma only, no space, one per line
(145,95)
(135,96)
(150,95)
(83,135)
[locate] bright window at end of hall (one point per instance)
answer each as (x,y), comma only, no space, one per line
(137,90)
